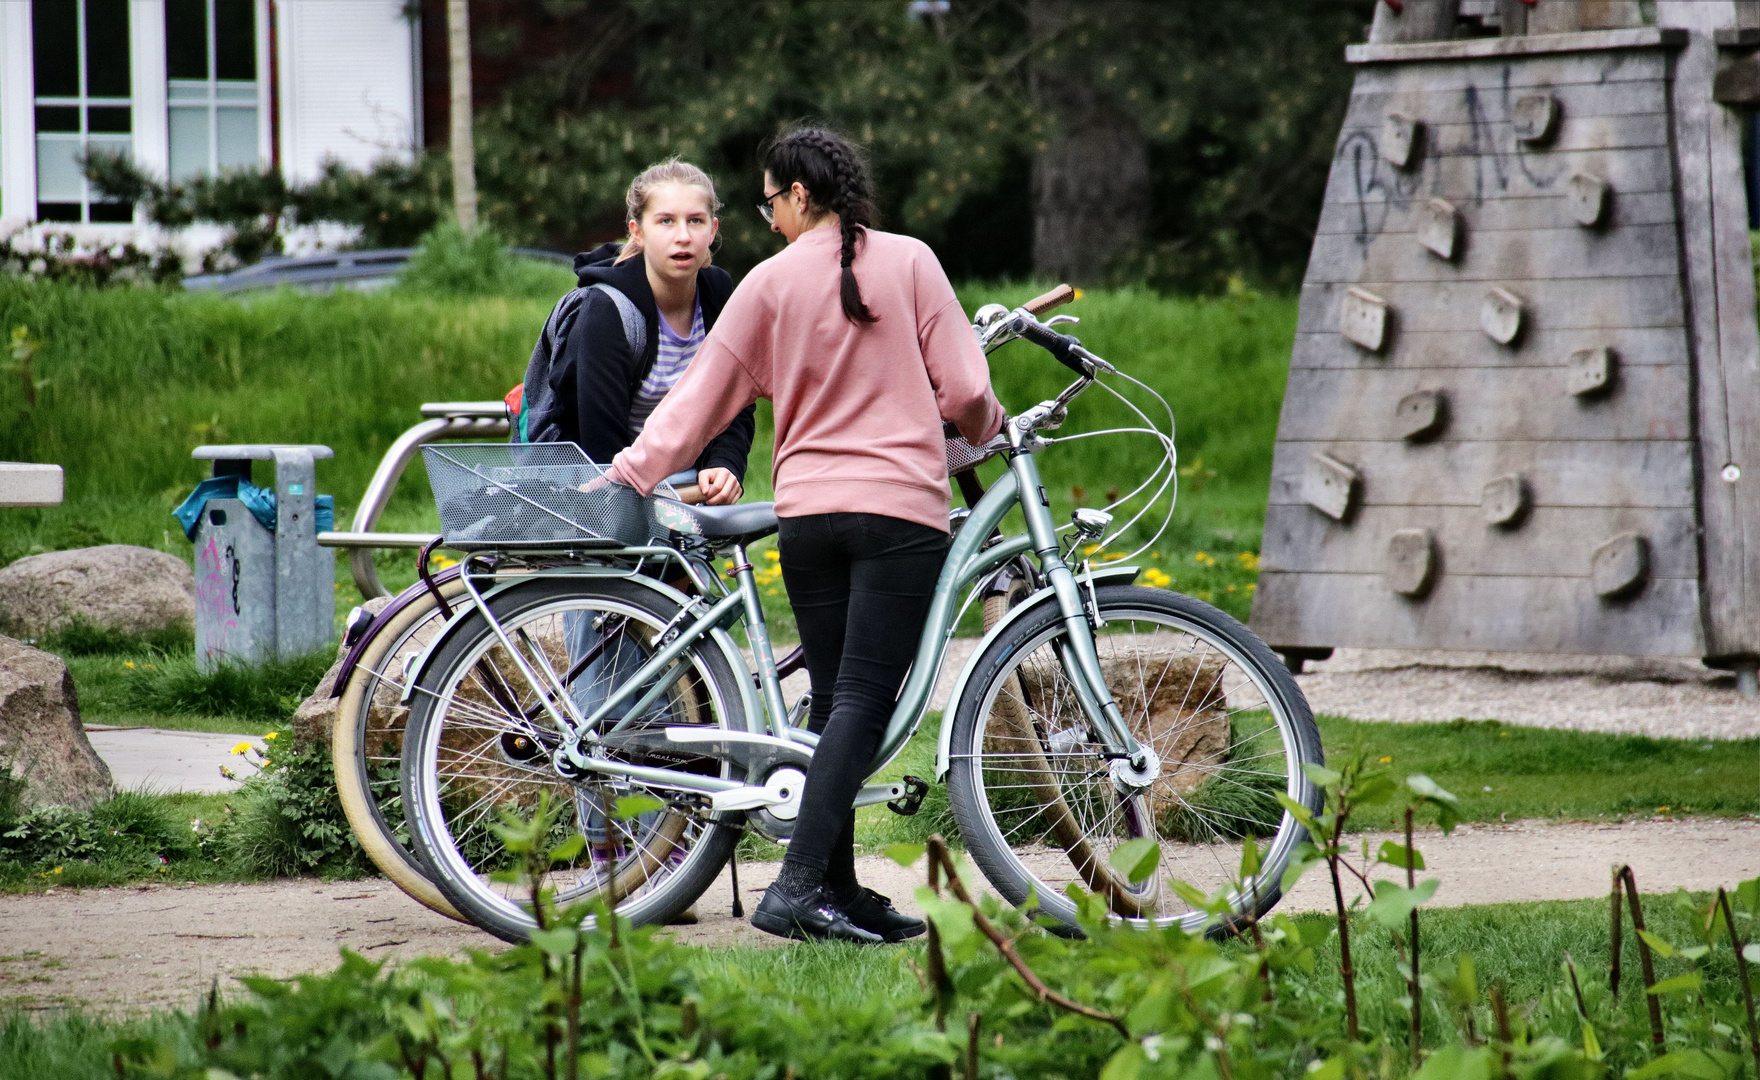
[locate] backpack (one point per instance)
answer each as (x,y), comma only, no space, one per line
(533,395)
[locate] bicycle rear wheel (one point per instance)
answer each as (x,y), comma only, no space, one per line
(366,745)
(479,741)
(1034,795)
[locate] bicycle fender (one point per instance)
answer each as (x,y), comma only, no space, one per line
(1109,575)
(379,622)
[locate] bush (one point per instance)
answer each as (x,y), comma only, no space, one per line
(127,828)
(288,821)
(452,262)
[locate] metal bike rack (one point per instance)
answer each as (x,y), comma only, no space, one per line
(443,420)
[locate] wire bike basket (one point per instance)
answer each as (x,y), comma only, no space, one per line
(524,495)
(962,455)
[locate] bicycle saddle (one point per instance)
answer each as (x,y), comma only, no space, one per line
(743,522)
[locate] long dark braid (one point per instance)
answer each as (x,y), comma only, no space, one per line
(835,174)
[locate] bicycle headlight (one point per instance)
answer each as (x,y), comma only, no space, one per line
(1091,524)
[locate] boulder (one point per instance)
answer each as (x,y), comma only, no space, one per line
(41,739)
(316,715)
(135,590)
(1183,715)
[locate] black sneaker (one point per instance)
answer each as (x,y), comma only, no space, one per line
(875,914)
(813,917)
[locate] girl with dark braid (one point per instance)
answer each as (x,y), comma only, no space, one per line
(857,338)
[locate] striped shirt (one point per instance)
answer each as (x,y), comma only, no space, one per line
(673,357)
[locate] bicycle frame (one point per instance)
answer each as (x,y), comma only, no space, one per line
(769,740)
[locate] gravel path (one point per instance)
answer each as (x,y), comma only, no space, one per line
(1658,696)
(156,946)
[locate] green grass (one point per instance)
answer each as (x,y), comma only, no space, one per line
(135,379)
(1503,771)
(148,689)
(1522,945)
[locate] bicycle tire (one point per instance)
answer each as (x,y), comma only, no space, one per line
(369,711)
(1238,678)
(445,849)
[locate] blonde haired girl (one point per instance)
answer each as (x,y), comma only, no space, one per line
(616,345)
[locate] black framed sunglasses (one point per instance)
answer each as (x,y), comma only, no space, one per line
(767,209)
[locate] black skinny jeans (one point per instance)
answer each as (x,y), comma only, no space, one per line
(860,585)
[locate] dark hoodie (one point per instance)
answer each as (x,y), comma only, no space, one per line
(583,377)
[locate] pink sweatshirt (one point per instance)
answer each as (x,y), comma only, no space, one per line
(858,407)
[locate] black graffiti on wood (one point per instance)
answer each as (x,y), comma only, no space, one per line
(1498,160)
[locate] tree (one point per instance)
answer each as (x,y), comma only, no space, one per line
(464,156)
(1175,142)
(1091,176)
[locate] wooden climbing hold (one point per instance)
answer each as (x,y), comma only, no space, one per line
(1501,316)
(1363,319)
(1619,566)
(1535,118)
(1588,198)
(1590,371)
(1399,139)
(1421,414)
(1411,562)
(1439,227)
(1505,501)
(1330,486)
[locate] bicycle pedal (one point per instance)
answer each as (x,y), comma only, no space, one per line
(915,787)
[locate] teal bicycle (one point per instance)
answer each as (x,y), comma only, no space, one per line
(592,655)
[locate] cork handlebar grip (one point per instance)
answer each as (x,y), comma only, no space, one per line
(1039,305)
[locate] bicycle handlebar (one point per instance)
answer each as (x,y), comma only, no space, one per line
(1062,347)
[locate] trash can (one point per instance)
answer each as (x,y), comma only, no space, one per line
(265,590)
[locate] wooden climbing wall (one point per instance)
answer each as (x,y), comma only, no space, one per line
(1525,379)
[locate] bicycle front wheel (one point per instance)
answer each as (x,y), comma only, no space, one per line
(479,743)
(1035,795)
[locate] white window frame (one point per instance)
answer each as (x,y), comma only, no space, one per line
(205,93)
(83,137)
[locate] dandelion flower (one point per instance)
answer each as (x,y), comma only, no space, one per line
(271,736)
(128,664)
(243,748)
(1384,760)
(773,555)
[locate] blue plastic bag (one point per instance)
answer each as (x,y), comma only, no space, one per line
(259,501)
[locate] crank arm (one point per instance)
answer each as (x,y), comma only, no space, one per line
(775,794)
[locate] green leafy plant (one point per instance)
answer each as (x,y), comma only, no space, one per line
(1352,786)
(287,819)
(1000,997)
